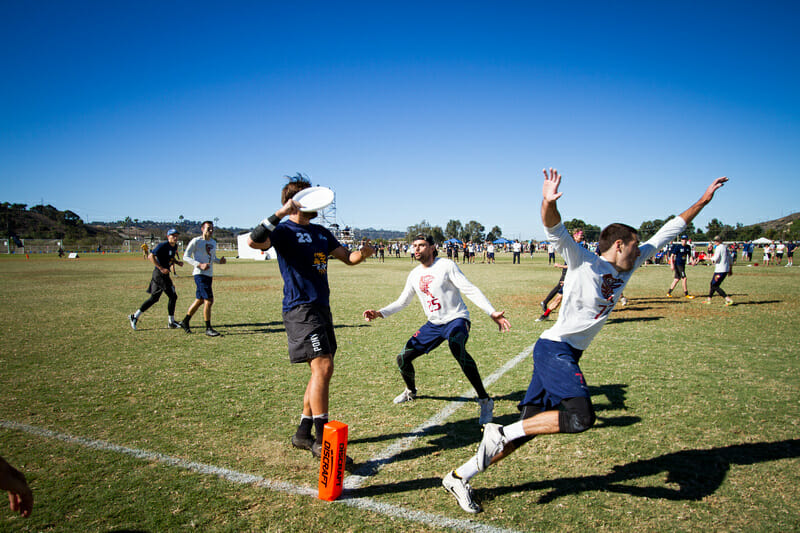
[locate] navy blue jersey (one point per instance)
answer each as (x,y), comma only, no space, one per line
(303,261)
(681,252)
(165,253)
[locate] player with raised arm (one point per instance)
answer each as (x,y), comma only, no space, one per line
(438,283)
(303,249)
(557,399)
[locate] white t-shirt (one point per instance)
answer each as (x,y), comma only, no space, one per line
(593,286)
(199,251)
(439,289)
(721,259)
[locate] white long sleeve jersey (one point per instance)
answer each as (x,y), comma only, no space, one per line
(593,286)
(439,289)
(199,251)
(721,259)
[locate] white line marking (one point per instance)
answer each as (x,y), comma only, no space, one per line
(242,478)
(374,465)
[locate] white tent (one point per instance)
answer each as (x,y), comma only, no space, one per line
(762,240)
(245,252)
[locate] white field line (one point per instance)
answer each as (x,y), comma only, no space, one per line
(374,465)
(242,478)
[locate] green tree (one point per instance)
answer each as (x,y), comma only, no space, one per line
(494,233)
(473,231)
(453,229)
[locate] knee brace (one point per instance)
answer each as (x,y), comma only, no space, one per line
(576,416)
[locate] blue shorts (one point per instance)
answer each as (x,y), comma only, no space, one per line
(429,336)
(204,291)
(556,375)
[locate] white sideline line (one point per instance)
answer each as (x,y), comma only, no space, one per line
(258,481)
(374,465)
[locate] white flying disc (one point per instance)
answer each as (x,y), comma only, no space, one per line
(314,199)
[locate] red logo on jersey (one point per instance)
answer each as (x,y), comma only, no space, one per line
(610,283)
(425,284)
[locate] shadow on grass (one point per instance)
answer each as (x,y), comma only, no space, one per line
(267,327)
(634,319)
(696,473)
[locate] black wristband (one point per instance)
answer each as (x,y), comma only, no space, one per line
(261,233)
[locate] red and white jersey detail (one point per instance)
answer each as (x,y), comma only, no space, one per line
(439,289)
(593,286)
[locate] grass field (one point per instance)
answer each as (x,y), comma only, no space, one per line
(155,430)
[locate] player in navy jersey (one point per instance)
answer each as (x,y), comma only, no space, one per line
(679,256)
(162,257)
(558,400)
(303,249)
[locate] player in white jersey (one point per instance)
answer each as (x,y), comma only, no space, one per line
(201,253)
(439,283)
(723,267)
(558,400)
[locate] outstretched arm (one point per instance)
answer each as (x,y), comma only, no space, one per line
(698,206)
(550,214)
(259,237)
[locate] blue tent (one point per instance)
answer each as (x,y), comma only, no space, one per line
(502,241)
(453,241)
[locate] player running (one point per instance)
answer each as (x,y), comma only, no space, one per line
(162,257)
(437,283)
(558,400)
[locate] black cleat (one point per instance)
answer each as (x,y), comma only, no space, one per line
(304,443)
(185,326)
(211,332)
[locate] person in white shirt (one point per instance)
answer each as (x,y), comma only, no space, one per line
(723,267)
(438,283)
(558,399)
(201,253)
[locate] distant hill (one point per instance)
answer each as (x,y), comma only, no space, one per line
(375,234)
(779,224)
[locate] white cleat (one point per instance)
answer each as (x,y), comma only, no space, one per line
(462,492)
(405,396)
(491,445)
(487,410)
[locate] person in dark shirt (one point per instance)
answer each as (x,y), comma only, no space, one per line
(679,256)
(303,249)
(162,257)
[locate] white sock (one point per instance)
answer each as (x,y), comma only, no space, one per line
(468,470)
(171,319)
(137,314)
(514,431)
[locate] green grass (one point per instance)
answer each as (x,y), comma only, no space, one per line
(698,407)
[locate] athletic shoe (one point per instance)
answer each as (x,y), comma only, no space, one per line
(462,492)
(543,306)
(706,302)
(173,325)
(669,295)
(623,302)
(304,443)
(185,326)
(405,396)
(316,451)
(541,318)
(690,296)
(211,332)
(487,406)
(728,303)
(133,320)
(491,445)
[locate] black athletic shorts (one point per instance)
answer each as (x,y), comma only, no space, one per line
(309,329)
(160,283)
(680,271)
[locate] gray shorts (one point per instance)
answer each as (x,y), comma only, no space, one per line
(309,329)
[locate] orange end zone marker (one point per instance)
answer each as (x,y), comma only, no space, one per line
(332,462)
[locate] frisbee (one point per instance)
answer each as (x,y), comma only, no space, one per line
(314,199)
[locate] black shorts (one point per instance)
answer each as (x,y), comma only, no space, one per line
(161,283)
(309,329)
(680,271)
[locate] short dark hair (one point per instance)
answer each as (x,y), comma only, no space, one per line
(613,233)
(423,237)
(210,223)
(297,183)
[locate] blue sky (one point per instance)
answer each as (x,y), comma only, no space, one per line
(408,110)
